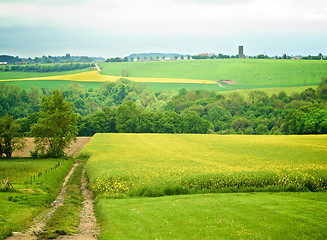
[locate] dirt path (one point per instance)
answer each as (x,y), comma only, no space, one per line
(99,70)
(220,85)
(88,226)
(40,220)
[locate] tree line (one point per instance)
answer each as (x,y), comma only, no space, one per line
(49,59)
(124,106)
(55,67)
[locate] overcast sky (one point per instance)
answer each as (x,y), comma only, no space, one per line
(112,28)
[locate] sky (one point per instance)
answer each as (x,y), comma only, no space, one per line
(110,28)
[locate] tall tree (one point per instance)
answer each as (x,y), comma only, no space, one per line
(127,117)
(57,126)
(10,138)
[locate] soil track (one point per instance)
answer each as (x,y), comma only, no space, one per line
(88,229)
(74,149)
(88,226)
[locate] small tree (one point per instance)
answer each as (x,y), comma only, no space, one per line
(10,138)
(57,126)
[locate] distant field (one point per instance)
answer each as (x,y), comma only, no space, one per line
(73,149)
(161,164)
(21,75)
(247,73)
(50,84)
(197,74)
(93,76)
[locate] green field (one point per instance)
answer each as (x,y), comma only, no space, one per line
(19,75)
(127,170)
(50,84)
(215,216)
(19,206)
(247,73)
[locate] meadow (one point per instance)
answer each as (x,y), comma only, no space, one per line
(20,205)
(237,180)
(164,164)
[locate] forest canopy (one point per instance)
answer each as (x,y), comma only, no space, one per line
(123,106)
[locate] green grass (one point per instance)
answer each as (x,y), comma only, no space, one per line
(288,90)
(18,207)
(215,216)
(247,73)
(51,84)
(177,86)
(19,75)
(19,170)
(169,164)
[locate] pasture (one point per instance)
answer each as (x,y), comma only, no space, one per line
(127,170)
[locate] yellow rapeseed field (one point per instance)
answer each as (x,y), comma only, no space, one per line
(161,164)
(93,76)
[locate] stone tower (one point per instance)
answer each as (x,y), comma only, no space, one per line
(240,52)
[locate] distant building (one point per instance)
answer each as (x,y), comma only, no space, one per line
(240,52)
(3,63)
(20,63)
(204,55)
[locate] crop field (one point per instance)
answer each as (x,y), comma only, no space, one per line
(127,170)
(73,150)
(164,164)
(93,76)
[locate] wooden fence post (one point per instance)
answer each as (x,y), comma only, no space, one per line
(8,184)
